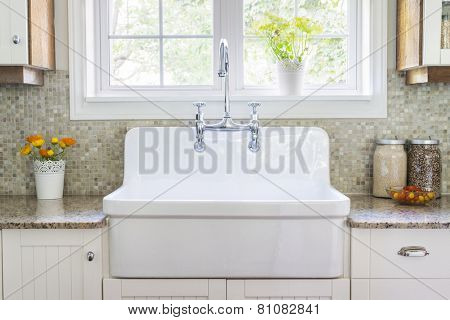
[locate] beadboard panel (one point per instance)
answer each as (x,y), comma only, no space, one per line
(51,264)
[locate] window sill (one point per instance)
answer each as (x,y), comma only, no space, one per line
(273,107)
(185,97)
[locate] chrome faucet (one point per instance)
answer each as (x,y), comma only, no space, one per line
(224,72)
(227,123)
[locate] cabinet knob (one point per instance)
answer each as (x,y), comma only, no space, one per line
(16,39)
(90,256)
(413,251)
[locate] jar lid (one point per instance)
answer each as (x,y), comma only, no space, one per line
(390,141)
(424,141)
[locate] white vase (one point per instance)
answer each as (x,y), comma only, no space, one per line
(290,78)
(49,176)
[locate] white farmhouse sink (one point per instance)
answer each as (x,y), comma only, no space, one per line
(227,212)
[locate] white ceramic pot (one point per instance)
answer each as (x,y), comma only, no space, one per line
(290,78)
(49,176)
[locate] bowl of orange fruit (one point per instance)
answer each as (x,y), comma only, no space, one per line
(411,195)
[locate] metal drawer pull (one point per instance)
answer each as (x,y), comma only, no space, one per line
(413,251)
(90,256)
(16,39)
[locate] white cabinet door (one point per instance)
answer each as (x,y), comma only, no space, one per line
(52,264)
(164,289)
(433,54)
(13,23)
(323,289)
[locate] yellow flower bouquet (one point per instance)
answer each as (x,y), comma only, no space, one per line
(48,164)
(37,149)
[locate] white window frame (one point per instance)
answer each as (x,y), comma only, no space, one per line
(90,101)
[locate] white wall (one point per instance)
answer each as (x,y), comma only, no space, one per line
(62,38)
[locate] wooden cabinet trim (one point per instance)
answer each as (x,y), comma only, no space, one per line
(41,40)
(409,34)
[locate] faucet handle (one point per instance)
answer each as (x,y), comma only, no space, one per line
(254,106)
(199,105)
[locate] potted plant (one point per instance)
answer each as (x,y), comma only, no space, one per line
(48,164)
(290,43)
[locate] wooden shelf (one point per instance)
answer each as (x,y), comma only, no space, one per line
(428,75)
(21,75)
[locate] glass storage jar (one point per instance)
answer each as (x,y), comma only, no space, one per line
(389,166)
(424,165)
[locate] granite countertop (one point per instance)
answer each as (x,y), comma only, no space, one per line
(368,212)
(71,212)
(85,212)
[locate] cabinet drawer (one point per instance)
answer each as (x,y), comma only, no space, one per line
(164,289)
(400,289)
(383,260)
(289,289)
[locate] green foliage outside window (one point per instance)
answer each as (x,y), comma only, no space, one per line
(288,39)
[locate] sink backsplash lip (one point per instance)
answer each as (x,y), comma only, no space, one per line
(420,110)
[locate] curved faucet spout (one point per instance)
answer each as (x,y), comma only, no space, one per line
(224,72)
(223,59)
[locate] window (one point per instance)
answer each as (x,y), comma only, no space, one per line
(170,43)
(157,55)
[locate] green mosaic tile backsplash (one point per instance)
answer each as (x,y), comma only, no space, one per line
(95,165)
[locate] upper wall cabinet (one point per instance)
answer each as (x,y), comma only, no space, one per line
(423,40)
(27,44)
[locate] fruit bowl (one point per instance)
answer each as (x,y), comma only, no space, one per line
(411,195)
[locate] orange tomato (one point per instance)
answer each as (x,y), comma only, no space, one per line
(412,188)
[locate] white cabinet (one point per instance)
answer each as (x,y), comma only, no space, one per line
(423,40)
(434,50)
(321,289)
(221,289)
(1,269)
(13,32)
(380,271)
(164,289)
(27,44)
(423,37)
(52,264)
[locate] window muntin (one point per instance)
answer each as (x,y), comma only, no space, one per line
(158,43)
